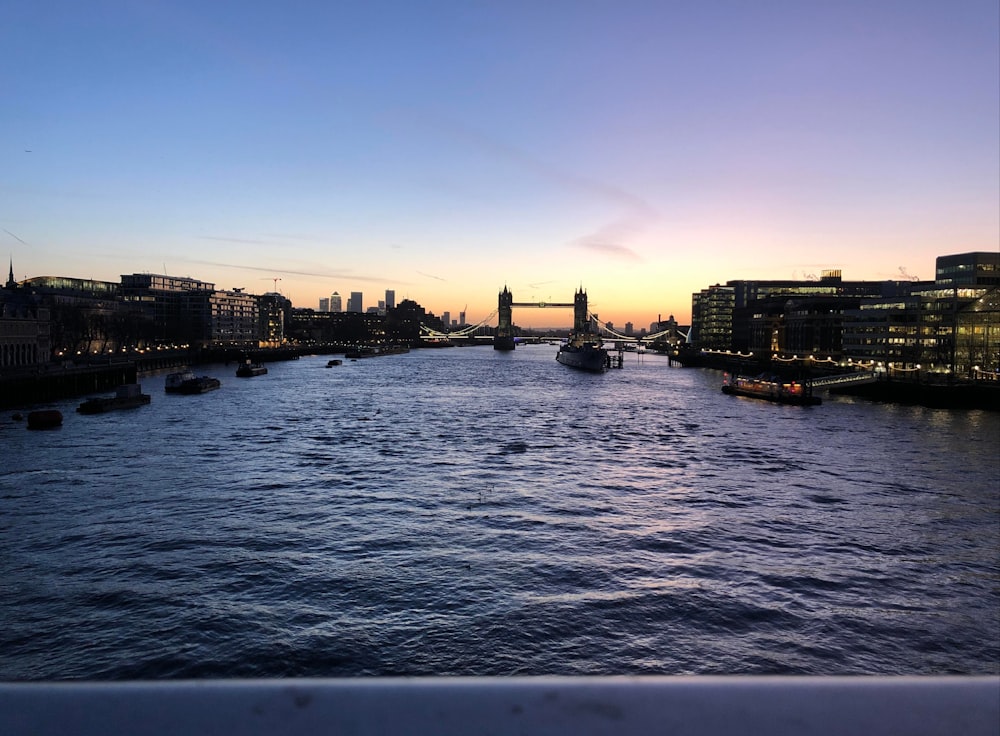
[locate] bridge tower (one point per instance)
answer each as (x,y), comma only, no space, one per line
(580,321)
(503,339)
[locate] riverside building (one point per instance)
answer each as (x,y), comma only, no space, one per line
(948,325)
(951,325)
(24,327)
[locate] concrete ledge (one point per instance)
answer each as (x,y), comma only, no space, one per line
(707,706)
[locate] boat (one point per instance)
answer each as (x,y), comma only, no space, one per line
(248,369)
(45,419)
(174,381)
(186,382)
(334,362)
(585,351)
(770,388)
(128,396)
(374,351)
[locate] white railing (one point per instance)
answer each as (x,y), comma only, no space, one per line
(845,378)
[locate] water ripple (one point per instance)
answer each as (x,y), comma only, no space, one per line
(465,512)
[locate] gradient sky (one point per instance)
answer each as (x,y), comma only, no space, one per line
(643,150)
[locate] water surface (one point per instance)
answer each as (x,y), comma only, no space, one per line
(467,512)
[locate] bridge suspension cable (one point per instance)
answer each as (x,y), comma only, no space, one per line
(604,326)
(464,332)
(645,338)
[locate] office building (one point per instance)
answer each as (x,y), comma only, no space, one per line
(233,319)
(390,299)
(336,305)
(950,325)
(273,309)
(354,303)
(175,308)
(712,317)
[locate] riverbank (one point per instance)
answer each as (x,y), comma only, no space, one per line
(910,388)
(32,385)
(960,395)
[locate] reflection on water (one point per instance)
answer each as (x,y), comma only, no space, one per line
(471,512)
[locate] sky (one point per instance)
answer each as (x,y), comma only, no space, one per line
(641,150)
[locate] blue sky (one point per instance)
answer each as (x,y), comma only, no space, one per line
(644,150)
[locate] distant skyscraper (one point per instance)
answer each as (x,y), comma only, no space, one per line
(335,304)
(354,303)
(461,319)
(446,318)
(324,304)
(390,299)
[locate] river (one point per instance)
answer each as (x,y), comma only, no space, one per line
(468,512)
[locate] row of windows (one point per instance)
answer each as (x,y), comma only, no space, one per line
(18,354)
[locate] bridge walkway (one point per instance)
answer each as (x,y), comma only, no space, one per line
(845,379)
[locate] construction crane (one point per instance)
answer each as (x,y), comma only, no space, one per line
(275,279)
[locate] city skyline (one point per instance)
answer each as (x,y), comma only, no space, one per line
(641,150)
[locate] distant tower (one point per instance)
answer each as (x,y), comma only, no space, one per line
(390,298)
(335,303)
(503,339)
(580,322)
(11,284)
(354,303)
(324,304)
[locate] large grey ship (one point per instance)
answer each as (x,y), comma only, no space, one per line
(584,349)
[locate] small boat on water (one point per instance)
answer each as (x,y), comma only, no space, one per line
(174,381)
(45,419)
(585,351)
(249,369)
(770,388)
(374,351)
(334,362)
(128,396)
(186,382)
(200,385)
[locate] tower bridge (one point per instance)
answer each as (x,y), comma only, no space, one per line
(503,334)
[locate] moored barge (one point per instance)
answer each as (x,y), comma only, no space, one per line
(128,396)
(770,388)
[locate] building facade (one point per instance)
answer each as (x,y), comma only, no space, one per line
(273,311)
(87,316)
(233,320)
(949,326)
(712,318)
(177,308)
(24,328)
